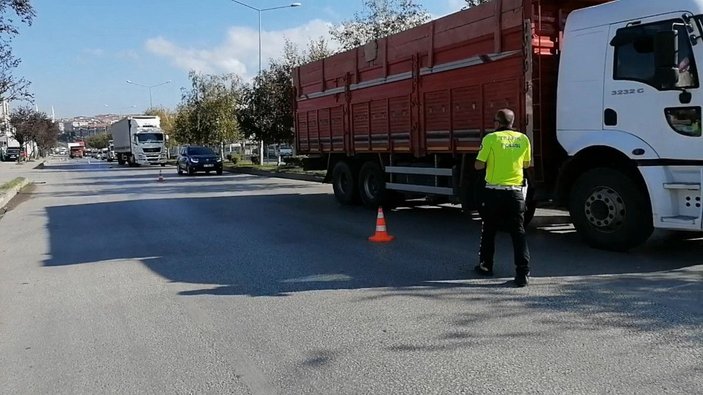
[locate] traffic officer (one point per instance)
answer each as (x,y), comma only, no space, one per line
(504,154)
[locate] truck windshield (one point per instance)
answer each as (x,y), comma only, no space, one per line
(150,137)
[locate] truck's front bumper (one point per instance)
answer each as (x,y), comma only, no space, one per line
(152,159)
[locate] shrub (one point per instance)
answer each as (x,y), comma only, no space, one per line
(296,161)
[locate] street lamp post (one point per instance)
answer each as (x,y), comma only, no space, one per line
(260,10)
(151,104)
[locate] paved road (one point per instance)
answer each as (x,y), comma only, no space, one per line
(113,282)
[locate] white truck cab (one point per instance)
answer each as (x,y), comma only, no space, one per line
(139,140)
(629,118)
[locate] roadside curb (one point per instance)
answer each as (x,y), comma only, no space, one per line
(5,197)
(300,177)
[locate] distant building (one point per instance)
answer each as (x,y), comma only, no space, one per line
(5,127)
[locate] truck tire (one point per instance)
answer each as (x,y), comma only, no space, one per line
(344,183)
(609,210)
(120,159)
(130,161)
(372,185)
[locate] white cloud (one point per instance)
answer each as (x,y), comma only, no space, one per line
(238,53)
(127,54)
(98,52)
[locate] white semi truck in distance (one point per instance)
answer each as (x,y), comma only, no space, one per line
(139,140)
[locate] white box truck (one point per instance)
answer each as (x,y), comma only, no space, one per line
(139,140)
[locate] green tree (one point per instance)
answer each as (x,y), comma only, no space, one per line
(47,135)
(471,3)
(30,125)
(98,141)
(379,19)
(266,111)
(207,113)
(317,49)
(11,87)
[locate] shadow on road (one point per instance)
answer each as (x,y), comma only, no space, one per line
(288,239)
(274,245)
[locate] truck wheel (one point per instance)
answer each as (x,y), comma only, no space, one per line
(130,161)
(372,185)
(609,210)
(343,183)
(120,160)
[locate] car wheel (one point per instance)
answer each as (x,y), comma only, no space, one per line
(219,172)
(190,170)
(609,210)
(178,168)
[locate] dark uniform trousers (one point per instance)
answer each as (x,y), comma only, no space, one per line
(504,210)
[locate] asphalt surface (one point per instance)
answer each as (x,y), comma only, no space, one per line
(111,281)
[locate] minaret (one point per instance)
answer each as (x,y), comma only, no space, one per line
(53,114)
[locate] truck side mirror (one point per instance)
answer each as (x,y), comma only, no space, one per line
(665,58)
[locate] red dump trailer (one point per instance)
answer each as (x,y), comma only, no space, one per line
(607,91)
(409,110)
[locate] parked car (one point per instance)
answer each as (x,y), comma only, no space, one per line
(285,150)
(192,159)
(11,153)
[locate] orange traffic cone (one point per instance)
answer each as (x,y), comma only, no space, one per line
(161,178)
(381,235)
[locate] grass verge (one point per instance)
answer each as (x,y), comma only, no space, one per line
(11,184)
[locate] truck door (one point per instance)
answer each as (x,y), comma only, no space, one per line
(663,108)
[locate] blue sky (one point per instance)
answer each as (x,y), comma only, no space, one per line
(78,54)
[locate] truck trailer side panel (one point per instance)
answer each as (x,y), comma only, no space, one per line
(434,89)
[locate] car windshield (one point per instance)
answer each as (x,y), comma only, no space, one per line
(150,137)
(200,151)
